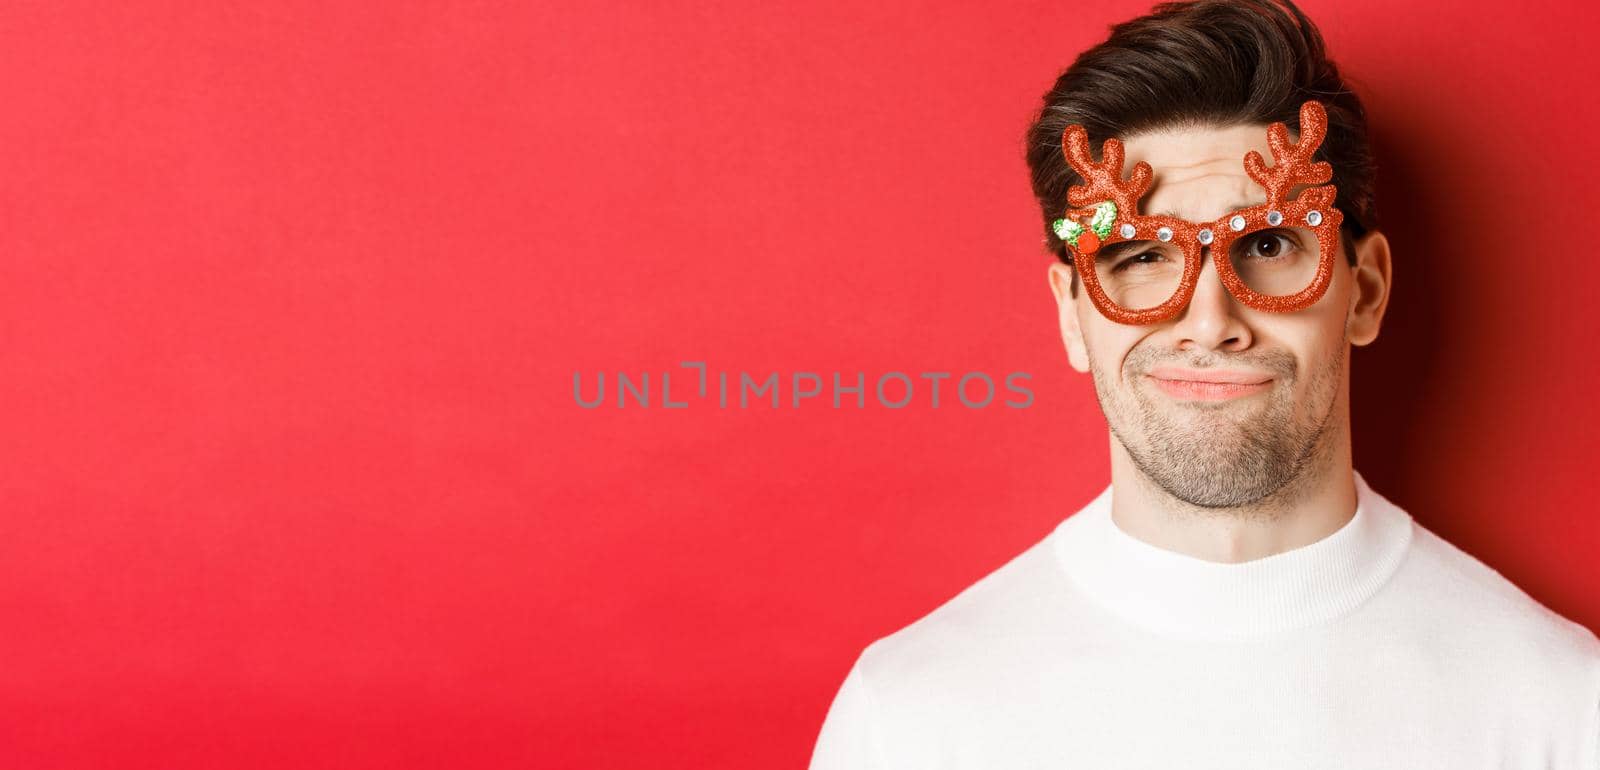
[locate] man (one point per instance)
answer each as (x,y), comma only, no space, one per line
(1238,596)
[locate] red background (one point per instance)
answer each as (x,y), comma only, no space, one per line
(293,296)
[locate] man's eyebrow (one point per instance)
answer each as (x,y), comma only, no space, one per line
(1234,207)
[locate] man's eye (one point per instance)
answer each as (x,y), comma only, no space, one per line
(1269,244)
(1142,258)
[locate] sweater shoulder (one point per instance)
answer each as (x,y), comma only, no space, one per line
(1487,605)
(1023,599)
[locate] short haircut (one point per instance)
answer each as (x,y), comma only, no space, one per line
(1204,63)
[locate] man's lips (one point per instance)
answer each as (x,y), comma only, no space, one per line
(1209,384)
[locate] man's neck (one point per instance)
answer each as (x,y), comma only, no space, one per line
(1312,506)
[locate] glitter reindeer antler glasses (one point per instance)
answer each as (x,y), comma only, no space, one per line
(1143,269)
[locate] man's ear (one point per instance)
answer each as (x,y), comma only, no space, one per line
(1064,285)
(1370,294)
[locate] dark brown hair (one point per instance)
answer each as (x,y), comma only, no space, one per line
(1207,62)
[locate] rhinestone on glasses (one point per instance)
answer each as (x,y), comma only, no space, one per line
(1204,237)
(1274,218)
(1164,234)
(1313,217)
(1126,230)
(1237,223)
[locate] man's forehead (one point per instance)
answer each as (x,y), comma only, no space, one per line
(1196,148)
(1199,170)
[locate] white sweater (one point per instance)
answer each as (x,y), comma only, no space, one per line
(1379,646)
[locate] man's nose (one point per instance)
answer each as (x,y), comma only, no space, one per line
(1212,320)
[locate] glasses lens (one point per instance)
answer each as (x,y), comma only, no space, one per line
(1276,261)
(1138,275)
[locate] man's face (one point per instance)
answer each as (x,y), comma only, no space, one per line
(1207,444)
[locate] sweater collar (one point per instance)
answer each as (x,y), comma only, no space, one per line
(1181,595)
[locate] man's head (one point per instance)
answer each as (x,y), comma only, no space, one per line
(1190,89)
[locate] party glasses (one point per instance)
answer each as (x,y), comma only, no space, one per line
(1277,256)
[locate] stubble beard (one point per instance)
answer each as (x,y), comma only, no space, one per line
(1233,455)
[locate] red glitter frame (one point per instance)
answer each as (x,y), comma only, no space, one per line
(1292,165)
